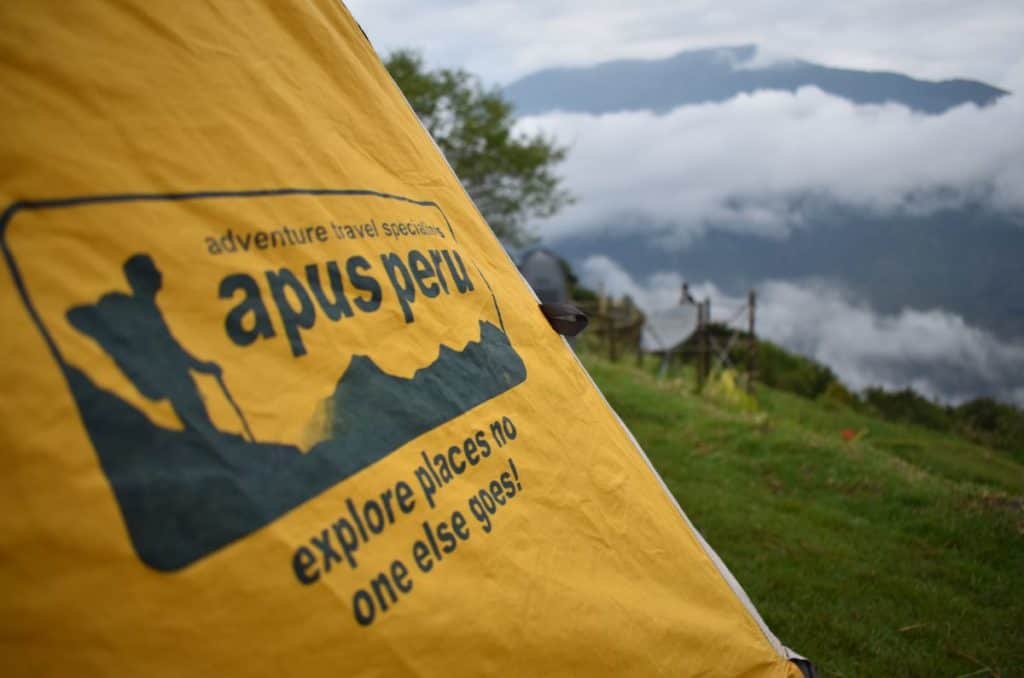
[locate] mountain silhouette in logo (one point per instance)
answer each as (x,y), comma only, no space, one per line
(381,410)
(186,493)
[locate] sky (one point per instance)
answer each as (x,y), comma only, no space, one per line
(502,40)
(735,165)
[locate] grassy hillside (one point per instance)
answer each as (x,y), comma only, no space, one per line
(982,420)
(897,553)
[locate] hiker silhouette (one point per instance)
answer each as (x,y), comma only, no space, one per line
(133,331)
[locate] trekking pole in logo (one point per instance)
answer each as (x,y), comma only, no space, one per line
(241,417)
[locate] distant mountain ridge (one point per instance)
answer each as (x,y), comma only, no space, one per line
(964,260)
(718,74)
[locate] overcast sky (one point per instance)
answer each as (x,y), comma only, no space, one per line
(504,40)
(735,164)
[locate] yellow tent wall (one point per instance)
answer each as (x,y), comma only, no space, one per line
(276,402)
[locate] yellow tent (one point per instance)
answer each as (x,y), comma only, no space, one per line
(276,402)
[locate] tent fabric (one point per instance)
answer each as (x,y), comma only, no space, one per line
(665,330)
(276,400)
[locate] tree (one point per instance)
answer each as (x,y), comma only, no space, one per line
(509,176)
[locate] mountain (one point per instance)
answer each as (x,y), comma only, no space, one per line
(963,260)
(960,254)
(718,74)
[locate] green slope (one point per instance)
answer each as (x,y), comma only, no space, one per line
(900,553)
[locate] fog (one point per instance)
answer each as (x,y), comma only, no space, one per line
(749,164)
(932,351)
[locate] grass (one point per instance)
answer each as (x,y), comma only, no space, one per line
(900,553)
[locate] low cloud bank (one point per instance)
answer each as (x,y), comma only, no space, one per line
(763,162)
(932,351)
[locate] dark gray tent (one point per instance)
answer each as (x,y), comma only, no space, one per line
(543,270)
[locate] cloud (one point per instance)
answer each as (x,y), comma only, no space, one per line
(765,163)
(761,162)
(503,40)
(932,351)
(659,291)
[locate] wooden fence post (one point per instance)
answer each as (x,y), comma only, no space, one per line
(752,345)
(701,348)
(639,323)
(707,340)
(613,352)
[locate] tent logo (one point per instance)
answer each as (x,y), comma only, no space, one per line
(195,481)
